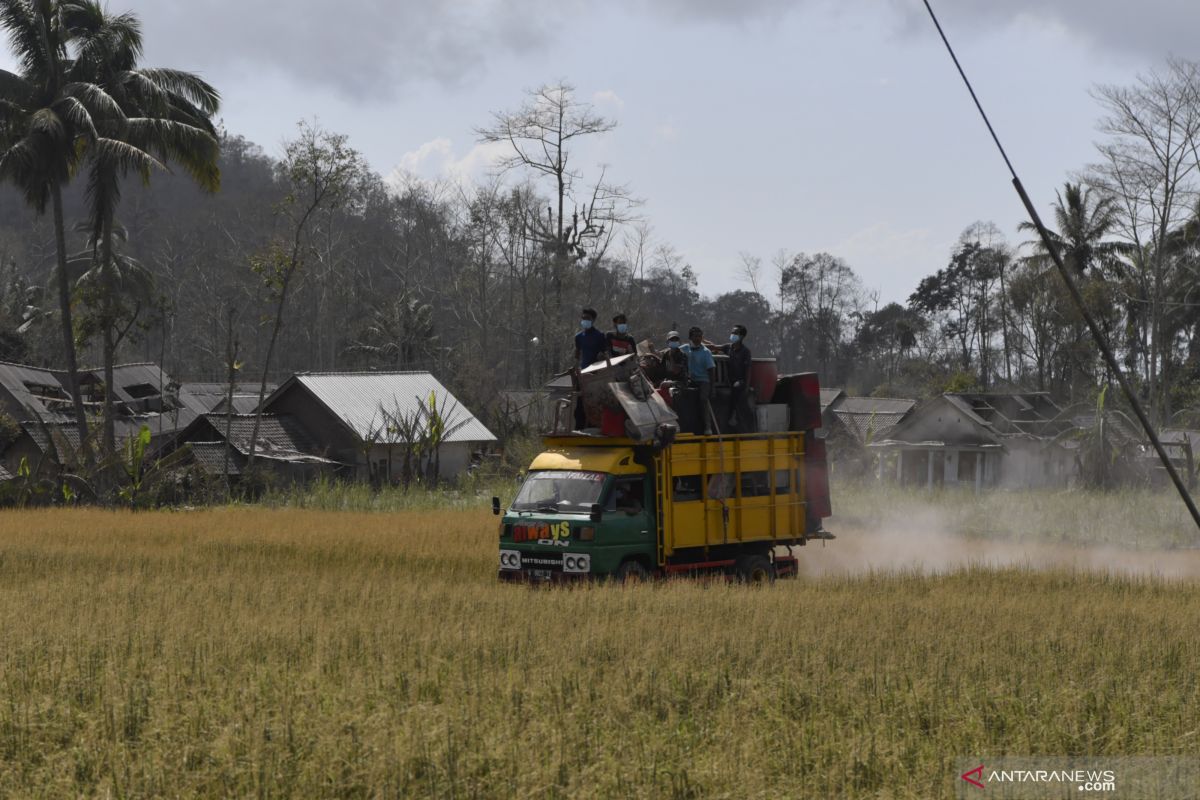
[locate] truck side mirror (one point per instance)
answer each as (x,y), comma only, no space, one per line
(597,512)
(496,506)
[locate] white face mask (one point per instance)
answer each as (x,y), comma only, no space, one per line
(622,328)
(674,345)
(585,323)
(733,337)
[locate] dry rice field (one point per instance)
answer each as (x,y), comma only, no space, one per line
(250,652)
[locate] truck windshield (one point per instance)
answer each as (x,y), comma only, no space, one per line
(566,491)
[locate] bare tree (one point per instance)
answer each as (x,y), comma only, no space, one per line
(319,168)
(579,225)
(1148,165)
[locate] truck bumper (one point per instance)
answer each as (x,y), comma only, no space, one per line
(533,576)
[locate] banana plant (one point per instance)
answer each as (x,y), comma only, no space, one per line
(143,475)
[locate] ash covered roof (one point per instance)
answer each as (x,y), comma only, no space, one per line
(360,398)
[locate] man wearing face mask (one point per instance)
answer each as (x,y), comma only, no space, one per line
(618,340)
(590,344)
(701,374)
(590,347)
(675,362)
(740,363)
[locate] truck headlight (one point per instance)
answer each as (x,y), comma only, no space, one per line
(577,563)
(510,559)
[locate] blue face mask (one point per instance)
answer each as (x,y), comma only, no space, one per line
(585,323)
(673,345)
(622,328)
(733,337)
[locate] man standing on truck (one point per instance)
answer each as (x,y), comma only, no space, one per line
(618,340)
(702,371)
(590,346)
(675,363)
(740,363)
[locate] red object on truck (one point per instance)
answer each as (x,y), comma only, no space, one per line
(764,374)
(612,423)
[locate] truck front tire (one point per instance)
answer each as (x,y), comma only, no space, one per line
(631,572)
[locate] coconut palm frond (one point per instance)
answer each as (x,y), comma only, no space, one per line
(189,86)
(98,103)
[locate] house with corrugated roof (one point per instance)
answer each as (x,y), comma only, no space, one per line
(39,400)
(282,445)
(981,440)
(371,421)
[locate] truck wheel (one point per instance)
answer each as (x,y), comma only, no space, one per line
(754,569)
(631,572)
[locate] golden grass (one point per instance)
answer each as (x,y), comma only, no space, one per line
(288,653)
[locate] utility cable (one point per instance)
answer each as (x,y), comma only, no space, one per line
(1073,288)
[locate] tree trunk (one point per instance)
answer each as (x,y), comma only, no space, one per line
(110,427)
(231,353)
(106,323)
(68,326)
(262,386)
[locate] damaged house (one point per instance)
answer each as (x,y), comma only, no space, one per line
(38,400)
(980,440)
(283,446)
(853,423)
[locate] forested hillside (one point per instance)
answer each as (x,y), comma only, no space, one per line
(483,283)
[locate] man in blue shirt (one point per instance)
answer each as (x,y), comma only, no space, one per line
(590,346)
(701,373)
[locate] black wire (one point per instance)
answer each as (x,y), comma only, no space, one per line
(1076,297)
(970,88)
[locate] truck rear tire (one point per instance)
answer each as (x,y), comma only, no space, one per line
(754,569)
(631,572)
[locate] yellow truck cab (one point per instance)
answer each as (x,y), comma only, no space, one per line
(735,505)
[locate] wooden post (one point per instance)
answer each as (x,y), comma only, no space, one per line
(929,469)
(979,471)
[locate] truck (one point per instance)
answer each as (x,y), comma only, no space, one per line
(619,508)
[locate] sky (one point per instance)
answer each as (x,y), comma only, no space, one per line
(748,127)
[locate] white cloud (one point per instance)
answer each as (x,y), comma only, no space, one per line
(607,97)
(438,160)
(439,150)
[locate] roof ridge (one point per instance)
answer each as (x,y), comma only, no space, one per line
(235,415)
(366,372)
(25,366)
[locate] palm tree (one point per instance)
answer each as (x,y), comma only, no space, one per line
(1084,223)
(48,120)
(166,117)
(1085,220)
(398,333)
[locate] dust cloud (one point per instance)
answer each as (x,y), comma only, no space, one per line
(921,542)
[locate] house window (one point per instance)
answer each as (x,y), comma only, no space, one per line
(140,391)
(46,391)
(783,481)
(966,466)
